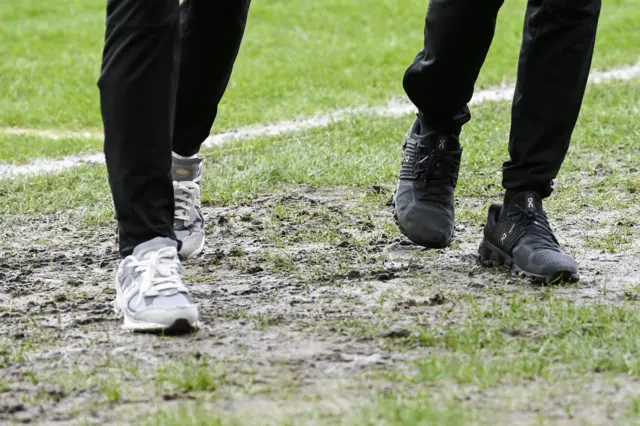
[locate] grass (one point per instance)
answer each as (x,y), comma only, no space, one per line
(279,261)
(418,410)
(598,172)
(534,345)
(500,354)
(187,416)
(109,385)
(21,149)
(391,411)
(197,375)
(521,338)
(619,238)
(337,53)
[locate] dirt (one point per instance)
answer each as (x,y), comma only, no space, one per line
(299,296)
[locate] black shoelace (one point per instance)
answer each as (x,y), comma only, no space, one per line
(438,166)
(535,222)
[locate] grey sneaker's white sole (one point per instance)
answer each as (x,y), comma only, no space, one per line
(174,321)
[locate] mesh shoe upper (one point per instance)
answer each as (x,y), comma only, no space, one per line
(522,232)
(423,202)
(150,288)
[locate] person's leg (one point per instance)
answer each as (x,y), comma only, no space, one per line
(211,33)
(440,83)
(137,94)
(558,42)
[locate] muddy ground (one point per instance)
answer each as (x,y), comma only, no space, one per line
(299,295)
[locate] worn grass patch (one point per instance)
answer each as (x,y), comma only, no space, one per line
(600,169)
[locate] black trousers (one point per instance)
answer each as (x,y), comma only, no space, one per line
(165,68)
(555,59)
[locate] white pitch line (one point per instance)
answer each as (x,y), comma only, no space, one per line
(50,134)
(392,109)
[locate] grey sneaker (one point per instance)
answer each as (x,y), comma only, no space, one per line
(150,292)
(188,219)
(423,202)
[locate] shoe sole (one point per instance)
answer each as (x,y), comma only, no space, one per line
(491,256)
(428,245)
(178,325)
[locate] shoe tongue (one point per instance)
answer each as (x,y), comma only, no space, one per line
(154,244)
(527,200)
(185,169)
(440,142)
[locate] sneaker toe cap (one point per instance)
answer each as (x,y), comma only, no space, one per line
(428,226)
(428,238)
(549,265)
(167,316)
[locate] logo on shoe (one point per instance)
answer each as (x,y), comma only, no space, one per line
(530,203)
(504,235)
(182,172)
(442,143)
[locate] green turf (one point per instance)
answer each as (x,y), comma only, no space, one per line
(598,172)
(520,337)
(294,61)
(539,342)
(391,411)
(20,149)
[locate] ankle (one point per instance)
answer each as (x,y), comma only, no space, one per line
(183,157)
(431,126)
(510,194)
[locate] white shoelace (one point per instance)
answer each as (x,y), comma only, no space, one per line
(161,269)
(185,194)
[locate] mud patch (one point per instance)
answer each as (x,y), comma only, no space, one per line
(302,296)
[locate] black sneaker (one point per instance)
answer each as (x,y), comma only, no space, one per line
(423,201)
(519,237)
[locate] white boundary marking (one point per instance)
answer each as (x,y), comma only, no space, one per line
(392,109)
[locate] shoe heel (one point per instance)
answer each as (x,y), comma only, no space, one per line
(116,306)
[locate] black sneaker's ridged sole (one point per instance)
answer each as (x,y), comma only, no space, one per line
(429,246)
(491,256)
